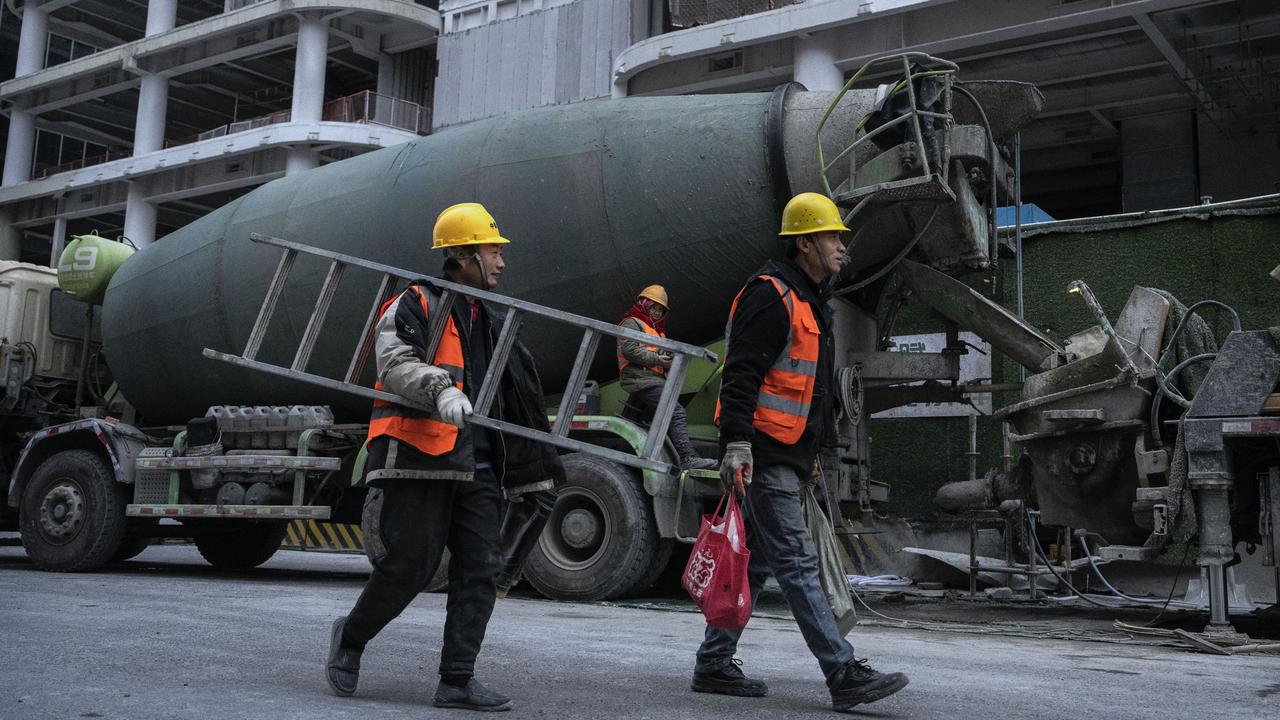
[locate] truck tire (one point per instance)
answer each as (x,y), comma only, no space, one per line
(72,517)
(246,546)
(371,528)
(601,541)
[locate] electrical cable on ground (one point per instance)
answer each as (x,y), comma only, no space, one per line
(1182,564)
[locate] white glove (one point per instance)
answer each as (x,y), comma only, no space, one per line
(453,406)
(735,468)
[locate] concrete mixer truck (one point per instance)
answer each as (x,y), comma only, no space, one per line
(600,198)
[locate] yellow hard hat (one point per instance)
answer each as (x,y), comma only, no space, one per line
(656,293)
(465,224)
(811,213)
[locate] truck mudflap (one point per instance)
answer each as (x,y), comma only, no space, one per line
(252,512)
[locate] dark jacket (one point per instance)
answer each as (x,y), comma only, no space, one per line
(757,335)
(521,465)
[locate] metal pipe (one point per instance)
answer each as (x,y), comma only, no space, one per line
(1079,287)
(973,447)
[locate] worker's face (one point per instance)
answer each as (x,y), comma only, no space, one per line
(656,312)
(483,269)
(827,252)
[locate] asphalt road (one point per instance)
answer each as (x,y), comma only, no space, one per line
(165,636)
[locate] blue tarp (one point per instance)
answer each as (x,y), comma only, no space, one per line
(1031,213)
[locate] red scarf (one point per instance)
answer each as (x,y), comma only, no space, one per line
(640,311)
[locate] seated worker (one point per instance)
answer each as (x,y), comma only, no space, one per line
(643,370)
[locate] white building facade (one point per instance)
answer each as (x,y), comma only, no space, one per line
(171,108)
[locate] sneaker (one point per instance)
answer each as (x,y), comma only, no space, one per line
(861,684)
(343,669)
(698,463)
(472,696)
(728,679)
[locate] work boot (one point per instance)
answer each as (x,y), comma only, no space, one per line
(470,696)
(861,684)
(343,669)
(696,462)
(727,678)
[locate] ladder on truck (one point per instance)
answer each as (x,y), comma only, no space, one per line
(516,312)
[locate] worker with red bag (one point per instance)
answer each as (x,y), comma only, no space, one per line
(775,412)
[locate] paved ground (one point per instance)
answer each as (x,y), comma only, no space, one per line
(164,636)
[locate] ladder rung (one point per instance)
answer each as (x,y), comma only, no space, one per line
(498,362)
(259,330)
(577,378)
(309,336)
(437,324)
(370,331)
(666,407)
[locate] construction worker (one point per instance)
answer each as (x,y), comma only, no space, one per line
(775,413)
(437,474)
(643,370)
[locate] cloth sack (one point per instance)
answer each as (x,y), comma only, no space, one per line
(831,572)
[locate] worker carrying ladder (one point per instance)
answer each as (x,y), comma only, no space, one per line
(652,457)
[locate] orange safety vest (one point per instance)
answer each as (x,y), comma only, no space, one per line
(786,393)
(426,433)
(622,362)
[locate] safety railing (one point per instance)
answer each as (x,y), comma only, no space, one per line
(847,191)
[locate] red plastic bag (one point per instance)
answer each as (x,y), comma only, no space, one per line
(716,574)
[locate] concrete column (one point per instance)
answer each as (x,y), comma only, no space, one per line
(20,147)
(148,131)
(162,15)
(10,237)
(308,85)
(139,216)
(153,101)
(386,75)
(59,240)
(814,62)
(33,41)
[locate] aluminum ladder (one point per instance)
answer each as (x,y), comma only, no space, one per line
(516,310)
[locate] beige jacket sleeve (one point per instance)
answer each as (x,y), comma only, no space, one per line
(399,368)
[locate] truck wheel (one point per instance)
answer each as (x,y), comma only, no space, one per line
(72,517)
(601,540)
(371,528)
(247,546)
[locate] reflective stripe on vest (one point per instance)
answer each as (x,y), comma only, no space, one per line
(623,363)
(424,431)
(786,392)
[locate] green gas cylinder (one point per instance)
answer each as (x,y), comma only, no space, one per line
(87,265)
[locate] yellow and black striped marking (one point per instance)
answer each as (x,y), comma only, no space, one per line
(313,535)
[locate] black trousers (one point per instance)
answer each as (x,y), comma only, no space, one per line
(644,405)
(419,519)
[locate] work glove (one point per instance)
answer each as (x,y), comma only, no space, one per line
(735,468)
(664,361)
(453,406)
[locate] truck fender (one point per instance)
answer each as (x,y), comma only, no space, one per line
(118,442)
